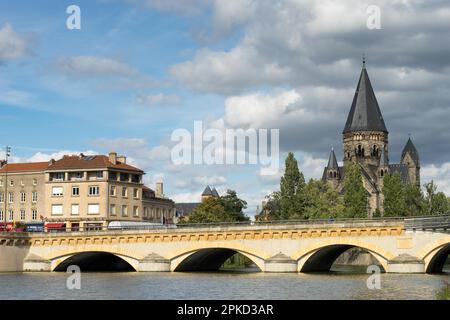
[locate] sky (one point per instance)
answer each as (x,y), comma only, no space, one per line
(139,69)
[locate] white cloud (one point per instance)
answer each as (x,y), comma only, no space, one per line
(159,99)
(95,66)
(210,180)
(41,156)
(12,45)
(440,174)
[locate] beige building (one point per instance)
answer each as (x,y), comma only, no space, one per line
(79,191)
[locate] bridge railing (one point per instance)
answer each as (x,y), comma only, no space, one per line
(428,223)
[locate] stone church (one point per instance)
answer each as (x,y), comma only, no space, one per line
(365,141)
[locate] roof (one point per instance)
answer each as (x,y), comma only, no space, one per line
(402,169)
(332,162)
(207,191)
(184,209)
(215,193)
(411,149)
(89,162)
(23,167)
(383,159)
(365,114)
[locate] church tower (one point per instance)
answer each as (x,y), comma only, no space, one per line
(410,159)
(332,170)
(365,135)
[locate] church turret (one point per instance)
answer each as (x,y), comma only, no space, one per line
(332,170)
(365,134)
(410,158)
(383,168)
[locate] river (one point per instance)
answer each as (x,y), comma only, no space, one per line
(218,285)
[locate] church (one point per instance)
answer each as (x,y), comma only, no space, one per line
(365,141)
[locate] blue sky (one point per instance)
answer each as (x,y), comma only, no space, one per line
(139,69)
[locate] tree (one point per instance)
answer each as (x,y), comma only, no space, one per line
(436,202)
(323,201)
(415,202)
(355,195)
(292,186)
(228,208)
(271,209)
(233,206)
(394,195)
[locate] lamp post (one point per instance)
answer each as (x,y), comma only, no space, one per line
(5,197)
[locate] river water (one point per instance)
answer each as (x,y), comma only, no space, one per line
(218,285)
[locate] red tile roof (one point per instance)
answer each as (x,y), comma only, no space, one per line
(19,167)
(70,163)
(89,162)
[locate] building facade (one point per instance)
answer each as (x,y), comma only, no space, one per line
(366,142)
(79,191)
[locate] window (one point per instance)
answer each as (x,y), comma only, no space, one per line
(124,192)
(59,176)
(34,182)
(33,215)
(22,215)
(75,210)
(112,209)
(22,183)
(23,197)
(112,191)
(11,197)
(124,177)
(78,175)
(34,197)
(1,215)
(135,211)
(57,209)
(113,176)
(93,208)
(2,197)
(145,212)
(124,211)
(75,191)
(11,183)
(136,193)
(57,191)
(99,174)
(94,190)
(11,214)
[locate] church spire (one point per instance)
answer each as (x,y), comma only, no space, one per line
(365,114)
(332,162)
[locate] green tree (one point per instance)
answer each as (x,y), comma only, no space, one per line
(271,209)
(233,206)
(394,195)
(322,201)
(292,186)
(209,211)
(355,195)
(415,202)
(440,204)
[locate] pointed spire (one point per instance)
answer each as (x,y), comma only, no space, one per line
(332,162)
(207,191)
(215,193)
(365,114)
(411,149)
(383,159)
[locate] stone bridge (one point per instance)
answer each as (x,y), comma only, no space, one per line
(400,246)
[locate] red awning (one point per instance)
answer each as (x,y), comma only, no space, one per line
(55,225)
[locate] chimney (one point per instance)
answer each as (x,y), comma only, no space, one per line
(122,159)
(113,157)
(2,163)
(159,190)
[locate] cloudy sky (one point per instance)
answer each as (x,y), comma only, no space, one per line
(139,69)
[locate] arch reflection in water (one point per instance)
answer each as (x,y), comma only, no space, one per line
(323,260)
(96,261)
(211,259)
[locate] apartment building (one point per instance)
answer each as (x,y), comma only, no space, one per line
(22,193)
(79,191)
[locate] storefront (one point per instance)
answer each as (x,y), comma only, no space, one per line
(34,227)
(55,227)
(9,226)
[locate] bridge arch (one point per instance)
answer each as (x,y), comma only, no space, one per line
(321,256)
(92,259)
(435,255)
(208,257)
